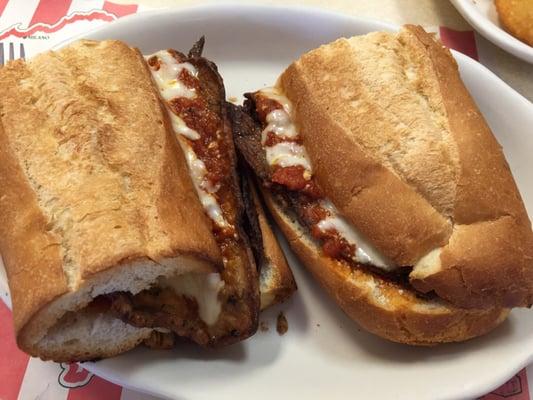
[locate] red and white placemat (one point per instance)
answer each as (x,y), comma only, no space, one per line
(40,24)
(31,26)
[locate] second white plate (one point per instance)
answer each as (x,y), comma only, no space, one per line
(482,15)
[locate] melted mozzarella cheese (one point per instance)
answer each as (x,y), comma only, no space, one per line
(204,288)
(167,75)
(279,123)
(166,78)
(172,89)
(275,94)
(365,253)
(203,187)
(286,154)
(179,126)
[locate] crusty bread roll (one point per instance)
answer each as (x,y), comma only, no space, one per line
(390,187)
(409,160)
(94,195)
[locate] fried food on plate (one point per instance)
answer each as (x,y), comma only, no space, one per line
(516,17)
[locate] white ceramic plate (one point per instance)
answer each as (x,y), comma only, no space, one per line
(482,15)
(324,354)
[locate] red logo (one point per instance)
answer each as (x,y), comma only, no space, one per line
(72,375)
(17,31)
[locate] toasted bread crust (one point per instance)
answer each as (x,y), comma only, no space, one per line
(469,277)
(80,354)
(382,307)
(399,146)
(25,229)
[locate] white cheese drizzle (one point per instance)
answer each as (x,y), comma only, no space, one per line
(204,288)
(275,94)
(167,75)
(203,187)
(365,253)
(286,154)
(181,127)
(279,122)
(167,79)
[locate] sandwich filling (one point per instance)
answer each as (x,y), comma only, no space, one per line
(204,307)
(291,168)
(199,139)
(203,288)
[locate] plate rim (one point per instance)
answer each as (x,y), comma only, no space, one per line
(494,33)
(226,6)
(481,388)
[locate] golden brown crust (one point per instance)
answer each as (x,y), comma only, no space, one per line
(517,17)
(415,165)
(381,307)
(82,190)
(22,229)
(116,337)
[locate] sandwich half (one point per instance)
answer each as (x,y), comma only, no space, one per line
(107,235)
(391,188)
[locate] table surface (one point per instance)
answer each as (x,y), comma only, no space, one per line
(30,378)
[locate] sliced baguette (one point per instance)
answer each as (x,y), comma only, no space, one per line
(399,146)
